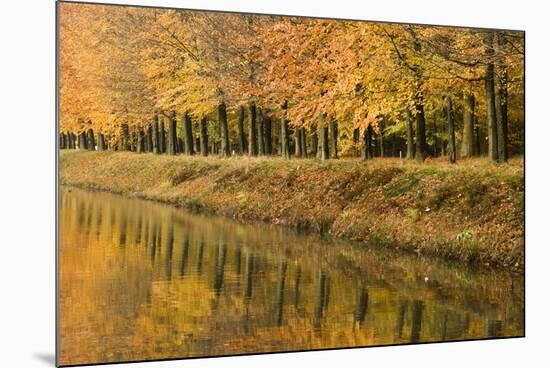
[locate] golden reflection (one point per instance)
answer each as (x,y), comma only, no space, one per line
(140,280)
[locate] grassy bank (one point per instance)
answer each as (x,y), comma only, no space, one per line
(471,212)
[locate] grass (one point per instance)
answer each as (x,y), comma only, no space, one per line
(471,212)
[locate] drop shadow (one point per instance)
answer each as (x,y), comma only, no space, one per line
(46,358)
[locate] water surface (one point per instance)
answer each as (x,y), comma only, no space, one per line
(141,280)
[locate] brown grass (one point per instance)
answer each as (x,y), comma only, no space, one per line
(471,212)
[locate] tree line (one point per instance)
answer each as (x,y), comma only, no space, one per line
(175,81)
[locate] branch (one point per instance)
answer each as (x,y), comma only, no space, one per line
(401,57)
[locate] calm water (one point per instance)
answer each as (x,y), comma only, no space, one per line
(141,280)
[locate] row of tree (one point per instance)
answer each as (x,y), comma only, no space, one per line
(162,138)
(174,81)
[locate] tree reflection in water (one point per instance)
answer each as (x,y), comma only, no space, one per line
(242,289)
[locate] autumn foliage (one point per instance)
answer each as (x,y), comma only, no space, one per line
(128,73)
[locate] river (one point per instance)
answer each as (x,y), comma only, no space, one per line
(141,280)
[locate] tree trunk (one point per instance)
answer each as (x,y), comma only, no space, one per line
(197,143)
(133,138)
(369,142)
(502,125)
(501,104)
(70,140)
(491,115)
(420,151)
(285,139)
(140,141)
(393,145)
(224,130)
(356,134)
(314,139)
(267,132)
(467,148)
(101,142)
(381,138)
(365,147)
(297,143)
(290,140)
(125,138)
(478,142)
(333,139)
(260,132)
(410,139)
(443,143)
(180,145)
(285,143)
(203,136)
(162,142)
(240,125)
(252,139)
(323,141)
(450,123)
(434,134)
(82,141)
(150,138)
(304,142)
(356,138)
(490,96)
(90,144)
(145,141)
(188,133)
(172,134)
(156,134)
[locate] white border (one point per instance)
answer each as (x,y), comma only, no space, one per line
(27,181)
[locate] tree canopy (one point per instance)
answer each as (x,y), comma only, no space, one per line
(121,65)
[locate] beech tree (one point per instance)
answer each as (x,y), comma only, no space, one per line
(177,81)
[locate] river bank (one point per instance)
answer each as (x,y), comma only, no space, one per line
(472,212)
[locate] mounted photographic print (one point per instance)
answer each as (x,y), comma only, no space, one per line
(235,183)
